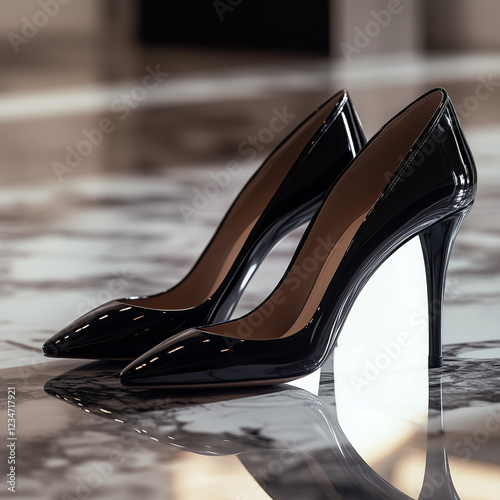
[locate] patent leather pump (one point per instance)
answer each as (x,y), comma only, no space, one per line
(283,194)
(416,176)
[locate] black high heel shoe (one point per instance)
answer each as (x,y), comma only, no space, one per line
(416,176)
(283,194)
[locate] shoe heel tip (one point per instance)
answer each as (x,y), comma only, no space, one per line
(435,361)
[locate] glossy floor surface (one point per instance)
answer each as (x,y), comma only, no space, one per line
(132,217)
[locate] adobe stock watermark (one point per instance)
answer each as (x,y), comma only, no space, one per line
(363,37)
(268,474)
(223,6)
(470,443)
(31,27)
(121,105)
(250,148)
(453,293)
(483,91)
(390,351)
(374,368)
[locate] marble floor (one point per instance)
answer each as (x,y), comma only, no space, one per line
(125,221)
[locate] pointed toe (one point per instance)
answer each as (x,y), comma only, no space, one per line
(62,344)
(114,330)
(186,359)
(50,349)
(143,373)
(129,376)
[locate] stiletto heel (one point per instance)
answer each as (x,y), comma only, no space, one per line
(282,195)
(437,242)
(416,173)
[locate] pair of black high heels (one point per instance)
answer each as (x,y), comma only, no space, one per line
(416,176)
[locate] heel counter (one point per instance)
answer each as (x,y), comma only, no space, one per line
(353,124)
(444,161)
(469,170)
(336,144)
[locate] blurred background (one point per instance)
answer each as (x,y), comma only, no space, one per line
(66,64)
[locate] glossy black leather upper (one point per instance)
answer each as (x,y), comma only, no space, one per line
(434,180)
(117,330)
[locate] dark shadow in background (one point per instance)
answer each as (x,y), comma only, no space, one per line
(295,25)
